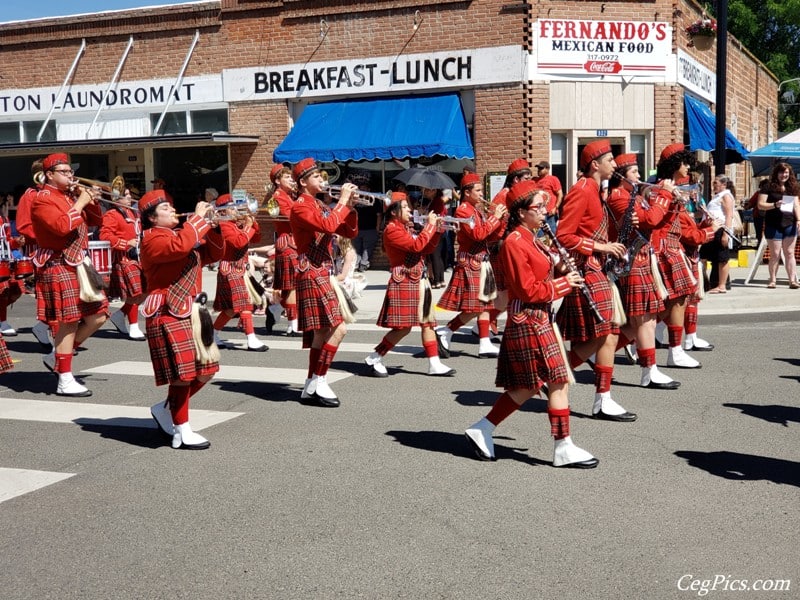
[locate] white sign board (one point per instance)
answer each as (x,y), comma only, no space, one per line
(412,72)
(697,78)
(626,48)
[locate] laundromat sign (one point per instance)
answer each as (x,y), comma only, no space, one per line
(570,47)
(483,66)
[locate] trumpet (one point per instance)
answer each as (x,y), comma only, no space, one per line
(112,196)
(451,223)
(359,196)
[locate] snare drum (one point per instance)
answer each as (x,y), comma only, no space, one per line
(100,255)
(5,269)
(23,268)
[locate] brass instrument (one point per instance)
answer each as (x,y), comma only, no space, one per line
(450,223)
(359,196)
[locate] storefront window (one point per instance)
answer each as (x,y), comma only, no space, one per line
(9,133)
(174,122)
(209,121)
(31,130)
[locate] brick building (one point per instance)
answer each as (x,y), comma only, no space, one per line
(203,93)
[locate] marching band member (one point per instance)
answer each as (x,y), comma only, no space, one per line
(121,228)
(285,247)
(172,259)
(640,290)
(233,296)
(408,300)
(11,288)
(40,330)
(61,219)
(320,315)
(531,353)
(679,280)
(583,231)
(472,288)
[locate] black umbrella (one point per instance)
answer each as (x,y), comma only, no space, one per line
(427,178)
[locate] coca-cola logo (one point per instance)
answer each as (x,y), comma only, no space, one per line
(602,66)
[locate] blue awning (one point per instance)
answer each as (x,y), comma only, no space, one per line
(379,129)
(703,135)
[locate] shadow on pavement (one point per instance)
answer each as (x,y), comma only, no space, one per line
(744,467)
(772,413)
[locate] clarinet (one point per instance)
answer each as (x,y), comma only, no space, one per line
(573,269)
(727,230)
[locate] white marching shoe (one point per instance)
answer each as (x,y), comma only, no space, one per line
(7,330)
(277,311)
(69,386)
(606,409)
(677,357)
(185,438)
(120,321)
(437,369)
(163,418)
(692,342)
(319,392)
(444,336)
(254,344)
(479,436)
(134,332)
(309,387)
(661,335)
(630,352)
(42,333)
(567,454)
(486,349)
(655,379)
(375,361)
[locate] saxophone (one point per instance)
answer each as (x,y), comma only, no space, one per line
(631,238)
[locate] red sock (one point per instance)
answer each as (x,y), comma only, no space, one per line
(503,407)
(195,386)
(431,349)
(483,328)
(622,341)
(246,321)
(63,363)
(575,361)
(179,403)
(559,422)
(647,356)
(675,333)
(131,312)
(602,378)
(455,323)
(313,360)
(384,347)
(291,311)
(221,321)
(325,359)
(690,318)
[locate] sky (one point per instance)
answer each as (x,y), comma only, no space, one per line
(23,10)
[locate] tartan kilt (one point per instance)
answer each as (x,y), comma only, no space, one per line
(6,364)
(576,319)
(462,292)
(11,290)
(126,280)
(497,267)
(58,295)
(317,303)
(401,305)
(172,349)
(678,277)
(529,353)
(232,293)
(285,268)
(638,290)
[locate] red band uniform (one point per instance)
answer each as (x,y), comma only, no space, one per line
(285,245)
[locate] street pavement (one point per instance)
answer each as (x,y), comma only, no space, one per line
(382,498)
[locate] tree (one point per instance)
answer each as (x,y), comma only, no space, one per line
(770,29)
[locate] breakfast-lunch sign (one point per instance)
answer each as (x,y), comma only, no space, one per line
(574,47)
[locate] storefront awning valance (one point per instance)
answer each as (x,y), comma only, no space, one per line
(379,129)
(702,132)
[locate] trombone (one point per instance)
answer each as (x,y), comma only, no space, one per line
(359,196)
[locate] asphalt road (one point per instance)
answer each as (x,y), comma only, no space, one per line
(381,498)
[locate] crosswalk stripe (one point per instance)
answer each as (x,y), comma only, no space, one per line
(294,344)
(233,373)
(15,482)
(48,411)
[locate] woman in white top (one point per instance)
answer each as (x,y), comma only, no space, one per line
(718,250)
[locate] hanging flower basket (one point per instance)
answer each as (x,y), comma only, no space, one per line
(702,33)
